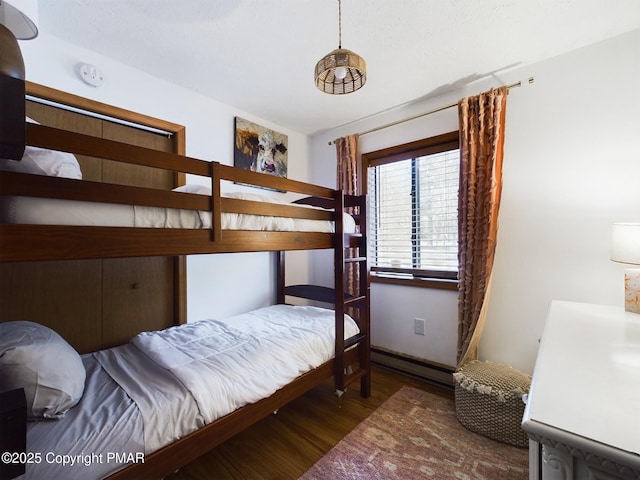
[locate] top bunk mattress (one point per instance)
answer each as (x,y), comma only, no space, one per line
(47,211)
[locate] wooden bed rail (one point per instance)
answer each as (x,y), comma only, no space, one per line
(21,184)
(80,144)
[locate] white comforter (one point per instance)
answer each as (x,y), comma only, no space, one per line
(231,363)
(167,409)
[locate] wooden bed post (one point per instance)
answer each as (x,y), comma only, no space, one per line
(280,277)
(358,301)
(364,290)
(216,204)
(338,256)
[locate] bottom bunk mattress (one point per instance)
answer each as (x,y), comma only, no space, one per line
(164,385)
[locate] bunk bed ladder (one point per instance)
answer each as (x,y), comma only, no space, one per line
(350,252)
(347,257)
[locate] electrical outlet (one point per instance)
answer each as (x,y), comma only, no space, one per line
(418,326)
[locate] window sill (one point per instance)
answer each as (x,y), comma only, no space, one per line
(438,283)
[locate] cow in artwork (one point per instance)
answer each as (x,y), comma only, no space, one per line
(259,149)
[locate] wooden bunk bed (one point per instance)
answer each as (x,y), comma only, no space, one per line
(42,243)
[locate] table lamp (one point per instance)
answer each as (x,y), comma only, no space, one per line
(625,248)
(18,21)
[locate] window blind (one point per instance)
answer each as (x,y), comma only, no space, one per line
(415,215)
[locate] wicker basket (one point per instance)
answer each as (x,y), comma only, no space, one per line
(488,398)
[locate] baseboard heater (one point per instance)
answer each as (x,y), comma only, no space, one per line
(429,371)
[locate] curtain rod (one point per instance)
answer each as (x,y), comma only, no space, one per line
(424,114)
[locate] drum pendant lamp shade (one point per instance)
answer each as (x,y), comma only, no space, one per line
(341,71)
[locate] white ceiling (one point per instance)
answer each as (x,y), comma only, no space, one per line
(259,55)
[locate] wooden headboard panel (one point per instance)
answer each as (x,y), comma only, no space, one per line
(96,304)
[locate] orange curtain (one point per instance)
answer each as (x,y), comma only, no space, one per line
(348,182)
(347,152)
(482,123)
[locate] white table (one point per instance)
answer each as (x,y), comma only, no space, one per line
(584,402)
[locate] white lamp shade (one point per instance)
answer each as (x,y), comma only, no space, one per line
(625,243)
(21,17)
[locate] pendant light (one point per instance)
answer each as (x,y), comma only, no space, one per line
(341,71)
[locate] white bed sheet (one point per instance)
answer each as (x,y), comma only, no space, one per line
(105,420)
(45,211)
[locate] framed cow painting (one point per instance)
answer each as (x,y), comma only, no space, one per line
(259,149)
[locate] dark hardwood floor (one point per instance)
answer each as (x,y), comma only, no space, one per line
(285,445)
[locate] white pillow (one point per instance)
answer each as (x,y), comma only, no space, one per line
(36,358)
(205,190)
(256,197)
(193,188)
(40,161)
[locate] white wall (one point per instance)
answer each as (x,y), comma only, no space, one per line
(571,169)
(218,285)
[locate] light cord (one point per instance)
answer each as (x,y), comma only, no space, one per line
(339,24)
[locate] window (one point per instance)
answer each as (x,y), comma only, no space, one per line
(413,195)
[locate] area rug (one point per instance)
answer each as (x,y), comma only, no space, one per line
(415,434)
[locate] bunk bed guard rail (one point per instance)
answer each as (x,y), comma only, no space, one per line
(19,242)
